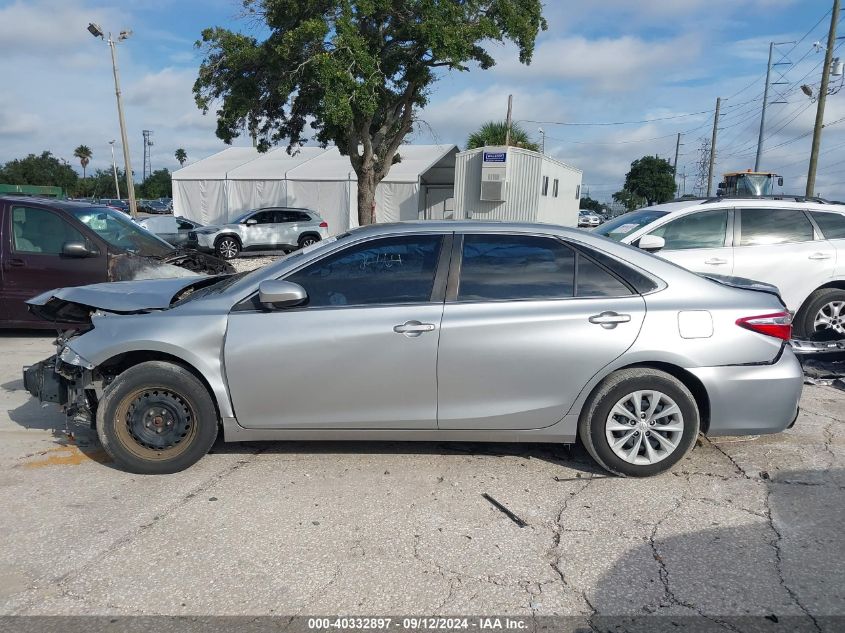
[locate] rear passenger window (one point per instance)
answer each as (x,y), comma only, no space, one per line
(831,224)
(760,227)
(513,267)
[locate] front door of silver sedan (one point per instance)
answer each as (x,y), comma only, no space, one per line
(528,325)
(362,353)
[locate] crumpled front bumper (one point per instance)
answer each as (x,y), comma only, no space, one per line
(42,381)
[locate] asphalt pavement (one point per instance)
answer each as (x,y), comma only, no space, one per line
(743,526)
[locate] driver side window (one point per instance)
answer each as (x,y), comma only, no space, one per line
(705,229)
(390,270)
(40,231)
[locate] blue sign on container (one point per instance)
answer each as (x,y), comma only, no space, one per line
(495,157)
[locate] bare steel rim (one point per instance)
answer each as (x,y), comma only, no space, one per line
(831,316)
(155,423)
(228,247)
(644,427)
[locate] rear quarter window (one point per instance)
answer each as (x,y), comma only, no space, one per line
(832,225)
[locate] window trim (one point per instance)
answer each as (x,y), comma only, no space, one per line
(453,289)
(738,227)
(438,288)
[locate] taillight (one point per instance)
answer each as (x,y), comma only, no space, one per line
(324,225)
(778,324)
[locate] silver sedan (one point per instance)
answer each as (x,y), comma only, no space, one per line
(430,331)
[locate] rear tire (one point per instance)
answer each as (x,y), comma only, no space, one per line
(825,306)
(639,422)
(308,239)
(156,418)
(227,247)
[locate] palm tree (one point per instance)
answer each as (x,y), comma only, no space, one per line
(181,156)
(495,133)
(84,154)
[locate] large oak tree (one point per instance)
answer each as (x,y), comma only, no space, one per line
(355,71)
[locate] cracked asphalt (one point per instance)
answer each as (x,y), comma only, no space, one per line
(743,526)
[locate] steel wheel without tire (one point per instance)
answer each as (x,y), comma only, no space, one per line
(228,247)
(156,418)
(639,422)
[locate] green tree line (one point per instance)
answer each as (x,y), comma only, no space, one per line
(47,170)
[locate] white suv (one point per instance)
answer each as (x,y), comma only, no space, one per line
(795,244)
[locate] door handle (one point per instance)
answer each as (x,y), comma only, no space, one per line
(413,329)
(609,320)
(820,256)
(16,262)
(716,261)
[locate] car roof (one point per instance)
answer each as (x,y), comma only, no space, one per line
(52,202)
(790,202)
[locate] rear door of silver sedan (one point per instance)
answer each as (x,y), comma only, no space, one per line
(361,354)
(526,324)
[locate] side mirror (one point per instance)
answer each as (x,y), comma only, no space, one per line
(75,249)
(251,222)
(780,181)
(275,294)
(651,243)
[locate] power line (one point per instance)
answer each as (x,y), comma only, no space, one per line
(654,120)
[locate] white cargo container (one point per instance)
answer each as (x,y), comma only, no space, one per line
(514,184)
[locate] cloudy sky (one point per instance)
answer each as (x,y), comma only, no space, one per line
(650,65)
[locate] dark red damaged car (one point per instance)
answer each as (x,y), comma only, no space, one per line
(46,244)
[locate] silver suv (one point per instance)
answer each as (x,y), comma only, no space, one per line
(261,230)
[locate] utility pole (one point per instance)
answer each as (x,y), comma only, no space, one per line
(675,164)
(508,130)
(763,113)
(147,169)
(114,171)
(713,146)
(130,185)
(817,130)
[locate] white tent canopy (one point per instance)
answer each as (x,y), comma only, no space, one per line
(218,188)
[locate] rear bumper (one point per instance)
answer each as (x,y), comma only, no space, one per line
(753,399)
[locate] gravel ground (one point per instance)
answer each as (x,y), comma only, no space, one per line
(249,262)
(743,526)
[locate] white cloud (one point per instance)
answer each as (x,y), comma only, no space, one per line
(606,64)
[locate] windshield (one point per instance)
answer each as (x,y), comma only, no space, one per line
(119,231)
(626,224)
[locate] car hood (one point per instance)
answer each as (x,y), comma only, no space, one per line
(75,304)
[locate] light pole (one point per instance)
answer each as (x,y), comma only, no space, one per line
(114,170)
(96,31)
(543,136)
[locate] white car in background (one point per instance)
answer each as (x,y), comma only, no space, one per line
(587,219)
(793,243)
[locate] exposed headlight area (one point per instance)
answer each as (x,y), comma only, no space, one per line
(71,357)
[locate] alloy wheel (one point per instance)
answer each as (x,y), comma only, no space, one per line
(308,241)
(831,316)
(228,248)
(644,427)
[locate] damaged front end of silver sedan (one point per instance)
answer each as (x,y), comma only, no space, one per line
(68,379)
